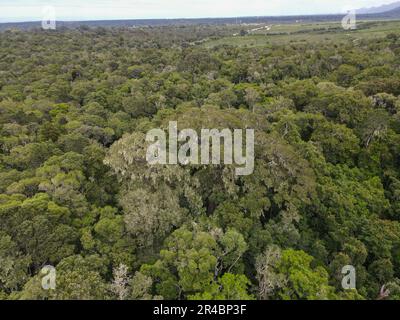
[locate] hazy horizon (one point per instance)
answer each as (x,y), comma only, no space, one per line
(74,10)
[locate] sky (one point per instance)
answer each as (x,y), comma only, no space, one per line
(33,10)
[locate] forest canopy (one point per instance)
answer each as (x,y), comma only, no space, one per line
(76,192)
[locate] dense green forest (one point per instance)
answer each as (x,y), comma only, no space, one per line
(76,192)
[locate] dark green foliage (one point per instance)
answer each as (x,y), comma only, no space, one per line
(77,193)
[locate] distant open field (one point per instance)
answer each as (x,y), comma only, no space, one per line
(273,34)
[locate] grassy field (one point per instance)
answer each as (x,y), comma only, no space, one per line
(264,35)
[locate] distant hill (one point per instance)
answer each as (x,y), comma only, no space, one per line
(381,9)
(394,13)
(391,12)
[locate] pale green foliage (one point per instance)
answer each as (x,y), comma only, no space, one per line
(150,216)
(288,275)
(228,287)
(141,288)
(194,259)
